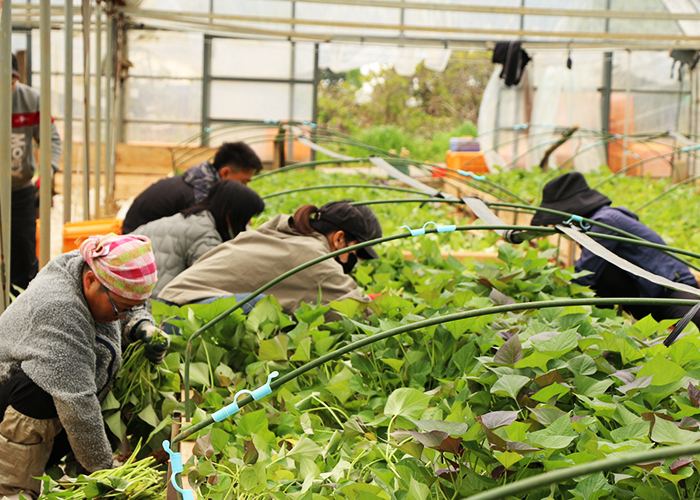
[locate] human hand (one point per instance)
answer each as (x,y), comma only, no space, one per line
(156,341)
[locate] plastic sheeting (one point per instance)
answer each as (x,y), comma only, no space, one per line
(344,57)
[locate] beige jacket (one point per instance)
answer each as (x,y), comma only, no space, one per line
(254,258)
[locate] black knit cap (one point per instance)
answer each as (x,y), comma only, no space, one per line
(568,193)
(15,66)
(358,221)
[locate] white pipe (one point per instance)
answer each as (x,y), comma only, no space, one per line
(98,109)
(5,150)
(68,118)
(45,172)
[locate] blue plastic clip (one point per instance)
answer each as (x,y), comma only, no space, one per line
(257,394)
(472,175)
(176,464)
(208,130)
(521,126)
(689,148)
(577,218)
(309,124)
(271,121)
(421,231)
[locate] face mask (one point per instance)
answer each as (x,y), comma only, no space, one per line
(349,265)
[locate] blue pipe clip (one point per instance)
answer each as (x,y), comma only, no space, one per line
(257,394)
(472,175)
(421,231)
(176,463)
(577,218)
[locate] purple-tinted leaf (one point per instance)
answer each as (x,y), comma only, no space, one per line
(624,376)
(505,334)
(213,480)
(453,428)
(451,474)
(694,394)
(549,379)
(520,447)
(497,442)
(497,472)
(451,445)
(497,419)
(203,447)
(679,464)
(431,439)
(689,423)
(509,353)
(649,466)
(500,299)
(250,452)
(635,385)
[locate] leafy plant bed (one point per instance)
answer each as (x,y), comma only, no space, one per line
(442,412)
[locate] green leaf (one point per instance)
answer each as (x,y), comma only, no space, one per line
(417,491)
(535,360)
(252,422)
(582,365)
(508,458)
(347,307)
(510,352)
(634,430)
(509,385)
(591,387)
(667,474)
(592,487)
(451,428)
(199,375)
(274,349)
(666,432)
(557,436)
(558,345)
(115,424)
(549,392)
(149,416)
(663,370)
(396,364)
(305,448)
(338,385)
(110,402)
(406,402)
(248,479)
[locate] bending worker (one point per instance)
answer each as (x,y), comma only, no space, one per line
(234,161)
(571,194)
(60,350)
(244,264)
(178,241)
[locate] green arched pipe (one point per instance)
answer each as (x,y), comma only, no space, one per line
(306,164)
(670,190)
(517,488)
(436,321)
(334,186)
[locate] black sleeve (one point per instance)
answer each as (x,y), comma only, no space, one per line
(162,199)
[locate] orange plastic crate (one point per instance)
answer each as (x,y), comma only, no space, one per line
(469,161)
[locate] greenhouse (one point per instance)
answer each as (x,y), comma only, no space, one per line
(349,249)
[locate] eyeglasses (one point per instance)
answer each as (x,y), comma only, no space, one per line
(114,306)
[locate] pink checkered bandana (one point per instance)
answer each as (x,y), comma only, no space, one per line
(124,264)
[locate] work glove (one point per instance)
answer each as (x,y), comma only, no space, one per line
(156,341)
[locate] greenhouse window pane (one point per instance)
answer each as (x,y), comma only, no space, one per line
(267,8)
(642,78)
(250,59)
(303,102)
(168,54)
(304,61)
(160,132)
(175,5)
(249,101)
(348,14)
(162,100)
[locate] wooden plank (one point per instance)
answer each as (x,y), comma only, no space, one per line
(460,255)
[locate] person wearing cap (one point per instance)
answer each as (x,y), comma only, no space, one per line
(60,351)
(570,193)
(25,127)
(240,266)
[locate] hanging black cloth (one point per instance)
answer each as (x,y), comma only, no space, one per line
(513,58)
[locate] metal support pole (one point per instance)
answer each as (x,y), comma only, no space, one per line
(98,108)
(68,118)
(5,149)
(605,94)
(628,102)
(86,109)
(45,134)
(109,174)
(206,89)
(314,104)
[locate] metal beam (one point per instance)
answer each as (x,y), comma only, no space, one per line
(206,90)
(5,151)
(45,135)
(109,174)
(86,109)
(98,109)
(68,118)
(186,18)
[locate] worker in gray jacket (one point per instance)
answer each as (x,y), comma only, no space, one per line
(252,259)
(178,241)
(60,350)
(25,129)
